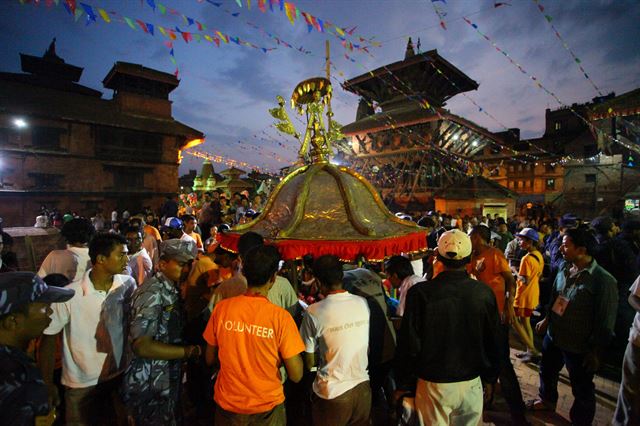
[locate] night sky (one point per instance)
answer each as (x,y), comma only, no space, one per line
(226,91)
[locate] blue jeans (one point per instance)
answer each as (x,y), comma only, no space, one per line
(553,359)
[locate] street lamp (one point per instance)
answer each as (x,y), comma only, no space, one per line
(20,123)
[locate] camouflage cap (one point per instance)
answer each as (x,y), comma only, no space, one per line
(180,250)
(21,288)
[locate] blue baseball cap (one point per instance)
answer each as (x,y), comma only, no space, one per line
(173,223)
(21,288)
(530,234)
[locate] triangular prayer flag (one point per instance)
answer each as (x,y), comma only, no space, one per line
(162,8)
(169,45)
(190,21)
(281,5)
(129,22)
(224,37)
(548,18)
(261,6)
(163,32)
(249,4)
(340,31)
(201,27)
(70,5)
(290,10)
(176,73)
(197,37)
(105,16)
(186,36)
(216,40)
(350,31)
(78,14)
(173,60)
(172,35)
(208,38)
(152,4)
(89,11)
(150,28)
(142,25)
(239,2)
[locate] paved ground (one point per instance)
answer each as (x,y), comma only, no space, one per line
(606,395)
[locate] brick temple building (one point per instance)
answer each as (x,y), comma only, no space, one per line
(63,146)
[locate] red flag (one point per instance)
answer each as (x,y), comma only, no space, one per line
(71,4)
(142,25)
(262,6)
(187,37)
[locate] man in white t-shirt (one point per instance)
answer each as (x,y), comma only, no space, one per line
(74,260)
(94,325)
(628,408)
(337,328)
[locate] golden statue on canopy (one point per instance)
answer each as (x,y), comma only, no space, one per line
(310,97)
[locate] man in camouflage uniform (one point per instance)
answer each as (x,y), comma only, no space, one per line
(152,383)
(24,314)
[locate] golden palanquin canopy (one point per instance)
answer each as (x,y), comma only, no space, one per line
(321,208)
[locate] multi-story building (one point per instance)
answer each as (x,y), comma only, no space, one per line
(63,146)
(576,165)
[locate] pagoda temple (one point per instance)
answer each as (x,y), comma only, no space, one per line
(403,138)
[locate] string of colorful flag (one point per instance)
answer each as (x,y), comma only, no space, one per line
(212,36)
(274,37)
(313,22)
(577,61)
(440,12)
(549,92)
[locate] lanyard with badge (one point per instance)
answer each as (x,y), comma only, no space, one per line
(566,293)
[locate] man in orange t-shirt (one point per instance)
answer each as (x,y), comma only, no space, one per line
(489,265)
(251,337)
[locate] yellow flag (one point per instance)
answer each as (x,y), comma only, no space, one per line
(104,15)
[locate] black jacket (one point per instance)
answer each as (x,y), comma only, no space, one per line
(449,331)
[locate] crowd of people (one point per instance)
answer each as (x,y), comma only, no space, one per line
(145,319)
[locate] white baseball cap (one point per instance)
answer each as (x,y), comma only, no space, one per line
(454,245)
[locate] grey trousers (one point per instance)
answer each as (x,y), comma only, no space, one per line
(628,408)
